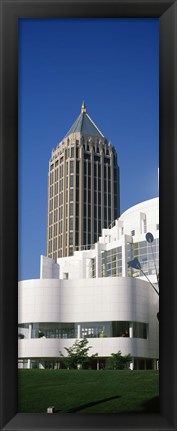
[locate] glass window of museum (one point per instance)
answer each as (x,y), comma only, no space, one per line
(84,330)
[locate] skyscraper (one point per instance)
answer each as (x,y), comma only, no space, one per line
(83,188)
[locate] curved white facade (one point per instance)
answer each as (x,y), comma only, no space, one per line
(93,292)
(96,300)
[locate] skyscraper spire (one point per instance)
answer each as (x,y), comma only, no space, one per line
(83,108)
(77,209)
(85,125)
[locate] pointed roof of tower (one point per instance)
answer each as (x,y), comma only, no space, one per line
(84,124)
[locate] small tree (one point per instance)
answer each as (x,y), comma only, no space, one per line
(118,362)
(78,354)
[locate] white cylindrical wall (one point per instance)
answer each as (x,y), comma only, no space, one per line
(89,300)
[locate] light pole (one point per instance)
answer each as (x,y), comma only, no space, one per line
(135,264)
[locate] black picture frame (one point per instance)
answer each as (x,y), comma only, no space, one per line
(10,11)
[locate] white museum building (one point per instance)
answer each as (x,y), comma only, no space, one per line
(97,295)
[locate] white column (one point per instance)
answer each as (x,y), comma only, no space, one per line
(98,365)
(124,261)
(125,240)
(29,336)
(29,363)
(98,260)
(131,330)
(78,331)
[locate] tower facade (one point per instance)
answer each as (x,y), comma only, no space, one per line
(83,188)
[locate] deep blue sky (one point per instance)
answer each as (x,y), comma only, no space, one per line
(111,64)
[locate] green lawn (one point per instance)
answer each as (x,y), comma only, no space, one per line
(88,391)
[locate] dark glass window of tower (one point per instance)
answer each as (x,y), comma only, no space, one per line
(109,215)
(77,194)
(77,238)
(115,174)
(109,173)
(95,226)
(71,208)
(99,212)
(77,209)
(95,197)
(70,251)
(77,167)
(77,223)
(71,195)
(85,224)
(71,180)
(99,184)
(71,238)
(72,152)
(96,158)
(99,227)
(115,187)
(71,167)
(99,171)
(89,238)
(71,223)
(107,160)
(95,211)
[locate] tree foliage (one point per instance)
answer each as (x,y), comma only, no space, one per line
(118,362)
(78,354)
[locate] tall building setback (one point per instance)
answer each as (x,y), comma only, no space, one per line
(83,189)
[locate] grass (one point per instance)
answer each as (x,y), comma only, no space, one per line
(88,391)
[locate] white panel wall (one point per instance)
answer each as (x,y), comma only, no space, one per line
(88,300)
(48,348)
(48,268)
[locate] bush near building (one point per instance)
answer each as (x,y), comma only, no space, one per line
(118,362)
